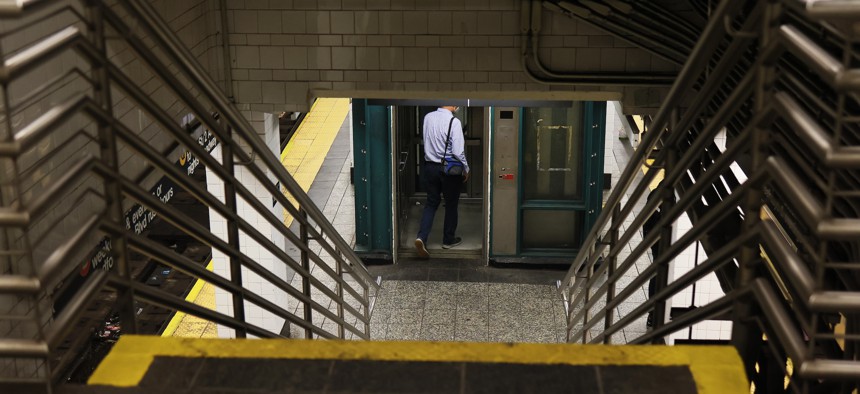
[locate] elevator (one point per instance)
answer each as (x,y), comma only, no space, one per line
(534,191)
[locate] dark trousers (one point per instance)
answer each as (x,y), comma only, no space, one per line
(438,184)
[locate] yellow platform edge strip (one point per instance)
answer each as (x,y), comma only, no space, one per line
(191,297)
(304,154)
(715,369)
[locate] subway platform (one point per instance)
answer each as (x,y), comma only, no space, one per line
(449,325)
(443,298)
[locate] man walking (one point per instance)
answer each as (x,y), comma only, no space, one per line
(443,139)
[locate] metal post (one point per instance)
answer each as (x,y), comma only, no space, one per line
(851,350)
(339,288)
(109,155)
(589,271)
(568,324)
(746,334)
(665,242)
(233,236)
(366,293)
(612,261)
(306,265)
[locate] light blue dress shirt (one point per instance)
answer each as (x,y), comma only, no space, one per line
(435,133)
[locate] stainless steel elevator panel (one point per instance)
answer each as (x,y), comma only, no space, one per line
(505,178)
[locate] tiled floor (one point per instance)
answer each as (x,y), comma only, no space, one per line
(462,300)
(468,311)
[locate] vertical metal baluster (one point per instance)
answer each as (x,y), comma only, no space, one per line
(589,271)
(823,248)
(233,235)
(612,260)
(850,350)
(668,200)
(570,315)
(109,155)
(366,293)
(341,332)
(746,334)
(306,265)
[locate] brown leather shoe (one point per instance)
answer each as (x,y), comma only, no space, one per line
(422,251)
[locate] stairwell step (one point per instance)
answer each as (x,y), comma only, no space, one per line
(264,366)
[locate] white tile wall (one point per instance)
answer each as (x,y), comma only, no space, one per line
(255,283)
(707,289)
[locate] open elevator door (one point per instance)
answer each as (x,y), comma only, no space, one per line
(411,192)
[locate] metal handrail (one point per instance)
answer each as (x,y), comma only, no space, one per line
(754,109)
(191,67)
(683,83)
(352,296)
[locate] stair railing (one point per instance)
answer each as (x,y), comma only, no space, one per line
(790,104)
(77,151)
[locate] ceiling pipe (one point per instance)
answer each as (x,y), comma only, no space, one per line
(626,19)
(652,11)
(530,23)
(657,21)
(618,30)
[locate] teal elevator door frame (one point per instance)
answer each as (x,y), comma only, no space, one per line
(594,124)
(595,118)
(371,131)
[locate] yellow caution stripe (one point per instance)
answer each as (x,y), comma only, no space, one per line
(309,145)
(193,295)
(715,369)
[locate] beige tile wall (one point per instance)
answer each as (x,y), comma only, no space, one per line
(284,53)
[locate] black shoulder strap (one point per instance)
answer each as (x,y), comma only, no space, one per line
(448,138)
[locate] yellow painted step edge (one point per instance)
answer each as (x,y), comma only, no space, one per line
(715,369)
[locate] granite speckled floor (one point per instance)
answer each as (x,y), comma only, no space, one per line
(468,311)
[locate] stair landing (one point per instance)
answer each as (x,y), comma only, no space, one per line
(186,365)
